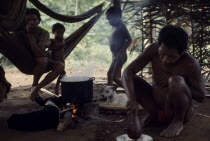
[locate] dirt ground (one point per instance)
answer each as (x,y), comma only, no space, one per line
(92,129)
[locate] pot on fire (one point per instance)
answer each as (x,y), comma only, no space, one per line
(77,89)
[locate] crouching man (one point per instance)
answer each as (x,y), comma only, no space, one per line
(176,81)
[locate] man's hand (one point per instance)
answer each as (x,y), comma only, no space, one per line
(132,107)
(31,29)
(120,54)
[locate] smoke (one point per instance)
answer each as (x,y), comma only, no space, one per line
(89,70)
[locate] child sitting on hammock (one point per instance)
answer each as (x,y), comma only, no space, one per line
(56,49)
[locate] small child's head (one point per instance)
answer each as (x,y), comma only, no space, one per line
(114,15)
(58,30)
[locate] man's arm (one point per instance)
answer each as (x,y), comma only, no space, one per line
(34,47)
(130,72)
(38,47)
(127,40)
(195,82)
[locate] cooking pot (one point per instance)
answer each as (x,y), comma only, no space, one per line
(77,89)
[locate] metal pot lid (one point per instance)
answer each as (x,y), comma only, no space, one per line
(76,78)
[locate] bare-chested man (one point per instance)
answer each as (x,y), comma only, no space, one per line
(56,49)
(176,79)
(39,40)
(119,42)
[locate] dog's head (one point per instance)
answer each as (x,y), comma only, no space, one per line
(109,92)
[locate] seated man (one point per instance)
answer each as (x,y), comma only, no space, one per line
(39,40)
(119,42)
(176,79)
(56,49)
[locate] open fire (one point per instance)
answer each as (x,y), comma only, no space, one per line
(69,116)
(74,110)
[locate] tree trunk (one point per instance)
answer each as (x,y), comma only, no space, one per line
(76,10)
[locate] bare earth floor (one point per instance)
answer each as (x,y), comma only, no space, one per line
(93,129)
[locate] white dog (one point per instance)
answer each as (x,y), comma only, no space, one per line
(112,97)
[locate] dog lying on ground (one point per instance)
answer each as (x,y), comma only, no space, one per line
(111,96)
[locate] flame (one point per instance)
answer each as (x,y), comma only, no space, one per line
(73,116)
(74,111)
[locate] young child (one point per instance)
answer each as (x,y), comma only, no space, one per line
(56,49)
(119,42)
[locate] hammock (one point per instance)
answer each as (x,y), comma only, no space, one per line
(19,53)
(68,19)
(12,13)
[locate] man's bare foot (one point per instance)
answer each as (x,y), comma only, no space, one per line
(32,89)
(2,92)
(173,130)
(34,93)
